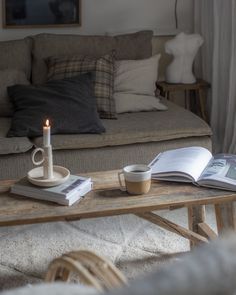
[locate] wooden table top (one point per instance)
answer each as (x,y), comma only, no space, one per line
(106,200)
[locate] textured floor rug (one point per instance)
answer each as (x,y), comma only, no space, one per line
(134,245)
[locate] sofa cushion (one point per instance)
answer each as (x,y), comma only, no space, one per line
(137,76)
(9,78)
(68,103)
(103,68)
(130,46)
(135,85)
(16,54)
(12,145)
(175,123)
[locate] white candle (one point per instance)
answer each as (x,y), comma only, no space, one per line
(46,133)
(48,162)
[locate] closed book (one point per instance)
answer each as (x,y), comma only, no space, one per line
(64,190)
(65,194)
(77,195)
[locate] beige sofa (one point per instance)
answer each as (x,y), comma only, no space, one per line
(132,138)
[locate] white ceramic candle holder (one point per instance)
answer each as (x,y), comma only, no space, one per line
(46,175)
(46,161)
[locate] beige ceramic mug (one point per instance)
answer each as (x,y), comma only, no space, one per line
(137,179)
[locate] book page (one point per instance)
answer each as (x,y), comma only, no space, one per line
(222,168)
(189,161)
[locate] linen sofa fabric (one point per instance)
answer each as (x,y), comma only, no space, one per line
(99,159)
(68,103)
(130,46)
(16,54)
(133,46)
(175,123)
(103,68)
(8,78)
(13,145)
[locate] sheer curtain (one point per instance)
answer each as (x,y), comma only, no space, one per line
(215,20)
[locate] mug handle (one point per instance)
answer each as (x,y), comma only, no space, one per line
(122,187)
(37,163)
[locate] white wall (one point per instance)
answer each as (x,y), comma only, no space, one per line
(120,16)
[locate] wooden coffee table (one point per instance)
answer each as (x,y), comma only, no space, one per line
(107,200)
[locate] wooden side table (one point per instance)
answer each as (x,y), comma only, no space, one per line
(199,88)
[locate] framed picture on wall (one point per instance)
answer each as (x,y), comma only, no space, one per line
(41,13)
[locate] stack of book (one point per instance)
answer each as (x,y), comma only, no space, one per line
(65,194)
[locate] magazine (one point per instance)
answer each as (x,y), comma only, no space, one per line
(196,165)
(65,194)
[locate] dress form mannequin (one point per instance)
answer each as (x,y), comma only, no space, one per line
(184,49)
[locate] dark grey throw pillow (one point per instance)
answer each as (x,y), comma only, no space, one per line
(69,103)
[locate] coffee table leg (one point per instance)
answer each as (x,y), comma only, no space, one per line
(225,216)
(196,215)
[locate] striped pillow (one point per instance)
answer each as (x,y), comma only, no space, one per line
(69,66)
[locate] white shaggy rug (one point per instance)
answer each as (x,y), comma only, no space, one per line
(134,245)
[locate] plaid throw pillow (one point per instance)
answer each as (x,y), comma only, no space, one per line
(66,67)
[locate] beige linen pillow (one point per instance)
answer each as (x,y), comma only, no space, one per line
(128,102)
(9,77)
(137,76)
(135,85)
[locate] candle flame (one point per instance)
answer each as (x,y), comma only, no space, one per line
(47,123)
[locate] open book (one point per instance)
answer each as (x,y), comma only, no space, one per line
(196,165)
